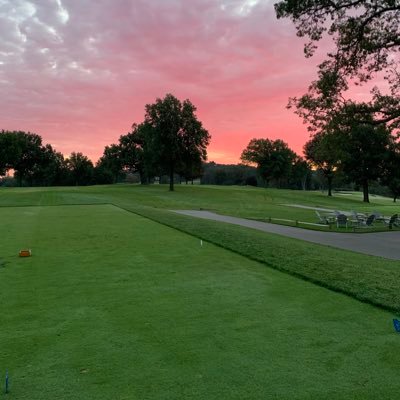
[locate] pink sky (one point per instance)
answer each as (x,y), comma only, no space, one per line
(79,72)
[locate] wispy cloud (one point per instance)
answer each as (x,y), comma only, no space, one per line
(80,72)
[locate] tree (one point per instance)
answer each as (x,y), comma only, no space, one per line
(8,151)
(300,174)
(228,174)
(320,152)
(137,153)
(273,158)
(81,169)
(20,151)
(175,132)
(366,34)
(111,161)
(362,152)
(50,168)
(391,173)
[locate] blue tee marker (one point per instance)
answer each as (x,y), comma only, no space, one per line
(396,324)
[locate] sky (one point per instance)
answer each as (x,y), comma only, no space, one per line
(80,72)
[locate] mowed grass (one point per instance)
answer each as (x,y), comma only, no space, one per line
(247,202)
(369,279)
(114,306)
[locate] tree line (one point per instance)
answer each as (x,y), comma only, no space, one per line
(171,140)
(356,153)
(35,163)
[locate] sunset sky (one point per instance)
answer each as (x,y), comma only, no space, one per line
(79,72)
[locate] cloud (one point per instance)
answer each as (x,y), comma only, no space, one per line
(79,72)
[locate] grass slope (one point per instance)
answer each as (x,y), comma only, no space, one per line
(114,306)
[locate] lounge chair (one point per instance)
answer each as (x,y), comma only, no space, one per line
(356,218)
(341,221)
(378,216)
(392,221)
(322,219)
(369,221)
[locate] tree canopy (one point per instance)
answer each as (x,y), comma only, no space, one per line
(273,158)
(176,135)
(366,35)
(320,153)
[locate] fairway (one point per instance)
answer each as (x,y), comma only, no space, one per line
(114,306)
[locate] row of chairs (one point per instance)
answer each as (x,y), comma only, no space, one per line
(356,219)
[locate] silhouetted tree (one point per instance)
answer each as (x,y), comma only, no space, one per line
(81,169)
(366,34)
(391,173)
(50,169)
(320,151)
(175,132)
(22,153)
(273,158)
(138,152)
(111,160)
(362,152)
(228,174)
(300,174)
(8,151)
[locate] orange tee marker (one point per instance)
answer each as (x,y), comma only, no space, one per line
(25,253)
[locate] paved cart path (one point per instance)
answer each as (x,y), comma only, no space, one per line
(382,244)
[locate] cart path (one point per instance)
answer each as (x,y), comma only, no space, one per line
(381,244)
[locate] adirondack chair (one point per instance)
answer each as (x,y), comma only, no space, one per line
(392,221)
(396,324)
(321,218)
(341,221)
(378,216)
(356,219)
(369,221)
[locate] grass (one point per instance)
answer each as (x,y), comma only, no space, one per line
(247,202)
(369,279)
(115,306)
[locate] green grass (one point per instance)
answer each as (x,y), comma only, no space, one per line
(115,306)
(247,202)
(369,279)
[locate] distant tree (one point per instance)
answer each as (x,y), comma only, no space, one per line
(362,152)
(321,153)
(138,152)
(22,153)
(50,168)
(391,172)
(228,174)
(176,132)
(102,175)
(112,161)
(8,151)
(300,174)
(81,169)
(273,158)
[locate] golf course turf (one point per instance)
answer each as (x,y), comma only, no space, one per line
(112,305)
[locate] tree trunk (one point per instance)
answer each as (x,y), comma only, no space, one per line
(330,186)
(171,178)
(303,183)
(365,192)
(395,198)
